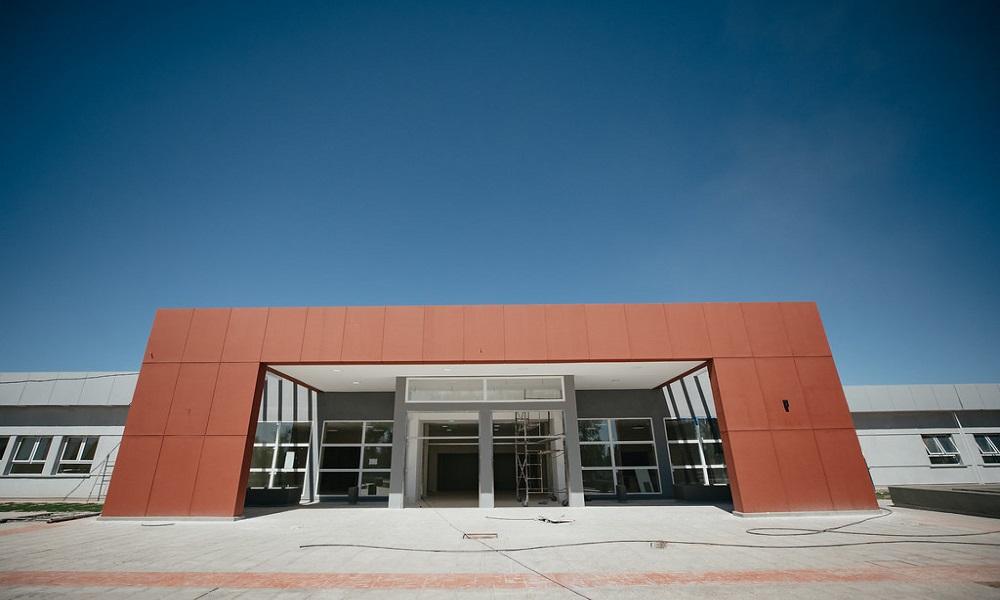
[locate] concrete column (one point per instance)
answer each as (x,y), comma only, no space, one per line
(397,475)
(485,459)
(574,475)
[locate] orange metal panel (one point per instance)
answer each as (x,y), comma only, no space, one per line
(220,486)
(607,332)
(734,482)
(484,333)
(363,329)
(324,336)
(154,391)
(207,335)
(780,381)
(168,335)
(403,339)
(192,400)
(566,332)
(823,393)
(647,332)
(688,331)
(766,329)
(283,336)
(524,333)
(801,470)
(444,334)
(845,468)
(175,475)
(752,462)
(245,335)
(806,335)
(129,489)
(236,399)
(739,401)
(726,329)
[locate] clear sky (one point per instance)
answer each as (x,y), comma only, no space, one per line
(200,154)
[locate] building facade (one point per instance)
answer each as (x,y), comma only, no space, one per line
(411,402)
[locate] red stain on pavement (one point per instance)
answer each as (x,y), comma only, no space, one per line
(355,581)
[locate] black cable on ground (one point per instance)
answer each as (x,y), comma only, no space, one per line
(657,543)
(797,531)
(502,553)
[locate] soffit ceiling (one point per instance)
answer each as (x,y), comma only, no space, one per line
(588,376)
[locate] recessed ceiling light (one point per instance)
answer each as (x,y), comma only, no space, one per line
(337,370)
(356,382)
(447,368)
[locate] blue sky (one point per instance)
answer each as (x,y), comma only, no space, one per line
(366,153)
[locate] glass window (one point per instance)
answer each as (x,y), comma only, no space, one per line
(356,454)
(78,454)
(4,441)
(696,456)
(989,447)
(633,430)
(635,455)
(595,455)
(342,432)
(609,452)
(599,482)
(640,481)
(941,450)
(594,430)
(280,455)
(29,455)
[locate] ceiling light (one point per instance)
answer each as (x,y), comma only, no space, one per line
(356,382)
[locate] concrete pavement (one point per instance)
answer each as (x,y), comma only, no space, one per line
(603,552)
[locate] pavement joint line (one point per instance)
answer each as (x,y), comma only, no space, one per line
(450,581)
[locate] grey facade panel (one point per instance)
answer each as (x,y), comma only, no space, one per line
(923,397)
(990,395)
(358,406)
(947,397)
(857,398)
(968,395)
(63,416)
(11,389)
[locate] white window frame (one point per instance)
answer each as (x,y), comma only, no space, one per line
(703,465)
(992,455)
(938,454)
(613,442)
(484,389)
(77,460)
(274,469)
(32,459)
(364,444)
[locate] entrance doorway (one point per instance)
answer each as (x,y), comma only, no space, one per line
(448,454)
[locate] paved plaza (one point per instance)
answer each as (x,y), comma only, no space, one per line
(537,552)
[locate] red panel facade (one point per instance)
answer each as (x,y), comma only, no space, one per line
(189,434)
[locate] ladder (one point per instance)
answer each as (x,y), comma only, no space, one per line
(530,467)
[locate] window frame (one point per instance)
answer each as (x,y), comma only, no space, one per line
(276,446)
(613,443)
(704,468)
(78,460)
(944,457)
(990,457)
(15,464)
(362,445)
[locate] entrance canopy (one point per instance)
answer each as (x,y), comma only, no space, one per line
(588,376)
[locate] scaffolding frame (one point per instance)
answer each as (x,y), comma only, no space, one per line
(532,464)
